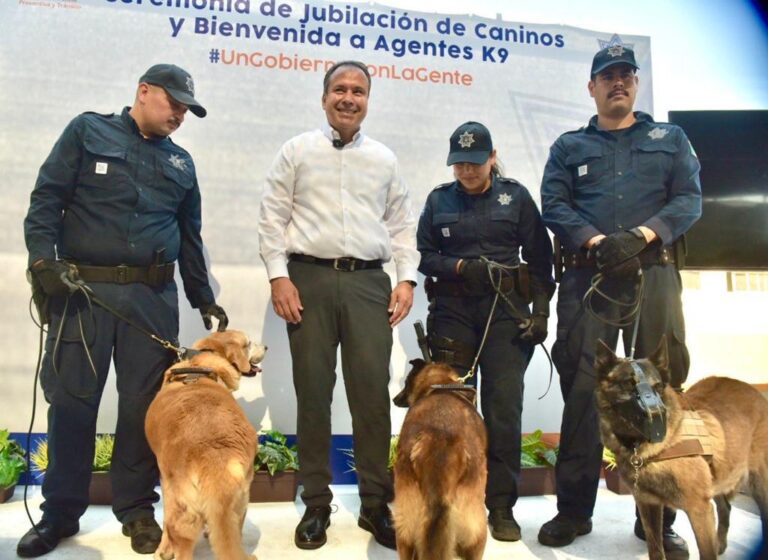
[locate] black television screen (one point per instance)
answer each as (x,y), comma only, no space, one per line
(732,233)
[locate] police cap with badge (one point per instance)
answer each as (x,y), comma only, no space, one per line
(470,143)
(177,82)
(609,56)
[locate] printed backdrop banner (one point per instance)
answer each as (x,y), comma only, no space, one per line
(258,69)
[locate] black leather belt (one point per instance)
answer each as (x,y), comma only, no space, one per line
(345,264)
(652,255)
(152,275)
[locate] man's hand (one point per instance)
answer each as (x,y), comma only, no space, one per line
(285,299)
(627,269)
(400,302)
(55,277)
(536,333)
(618,248)
(210,310)
(475,274)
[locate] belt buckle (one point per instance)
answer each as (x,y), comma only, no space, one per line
(121,276)
(344,264)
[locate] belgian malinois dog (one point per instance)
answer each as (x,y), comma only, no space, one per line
(715,439)
(440,471)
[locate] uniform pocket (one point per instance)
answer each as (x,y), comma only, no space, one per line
(653,160)
(587,165)
(104,164)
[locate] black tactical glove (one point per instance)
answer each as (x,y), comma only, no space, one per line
(475,274)
(536,333)
(209,310)
(55,277)
(626,269)
(619,247)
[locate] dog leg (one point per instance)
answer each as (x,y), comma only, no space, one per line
(723,521)
(651,516)
(758,485)
(225,522)
(702,517)
(474,551)
(405,550)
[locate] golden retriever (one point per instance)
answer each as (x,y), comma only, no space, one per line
(205,447)
(440,471)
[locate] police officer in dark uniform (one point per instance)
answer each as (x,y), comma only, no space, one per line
(618,194)
(116,203)
(470,237)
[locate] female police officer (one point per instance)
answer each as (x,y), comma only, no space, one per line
(470,237)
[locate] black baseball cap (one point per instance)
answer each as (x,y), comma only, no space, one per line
(470,143)
(616,54)
(177,82)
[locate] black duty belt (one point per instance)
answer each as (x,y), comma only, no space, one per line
(152,275)
(652,255)
(458,288)
(345,264)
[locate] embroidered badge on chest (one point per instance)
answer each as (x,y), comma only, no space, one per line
(178,162)
(446,232)
(658,133)
(504,199)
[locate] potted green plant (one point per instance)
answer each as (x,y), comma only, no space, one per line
(276,468)
(12,464)
(613,480)
(537,459)
(393,441)
(100,489)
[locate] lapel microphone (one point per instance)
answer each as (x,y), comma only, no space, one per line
(338,143)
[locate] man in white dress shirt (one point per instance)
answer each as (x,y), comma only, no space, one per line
(334,209)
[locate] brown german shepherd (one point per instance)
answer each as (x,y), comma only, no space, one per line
(733,422)
(440,471)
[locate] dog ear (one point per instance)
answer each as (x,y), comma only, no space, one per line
(417,364)
(605,359)
(660,359)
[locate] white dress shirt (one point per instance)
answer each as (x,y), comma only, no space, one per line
(332,202)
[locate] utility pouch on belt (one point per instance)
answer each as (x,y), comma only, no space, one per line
(558,254)
(39,298)
(523,284)
(680,250)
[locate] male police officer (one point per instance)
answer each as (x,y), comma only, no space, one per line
(618,194)
(115,204)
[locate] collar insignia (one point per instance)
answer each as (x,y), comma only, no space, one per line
(658,133)
(178,162)
(504,199)
(466,139)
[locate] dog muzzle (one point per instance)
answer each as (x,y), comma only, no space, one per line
(645,411)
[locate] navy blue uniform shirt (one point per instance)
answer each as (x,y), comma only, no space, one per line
(598,182)
(497,224)
(107,196)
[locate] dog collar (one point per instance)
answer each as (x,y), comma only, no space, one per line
(466,392)
(189,375)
